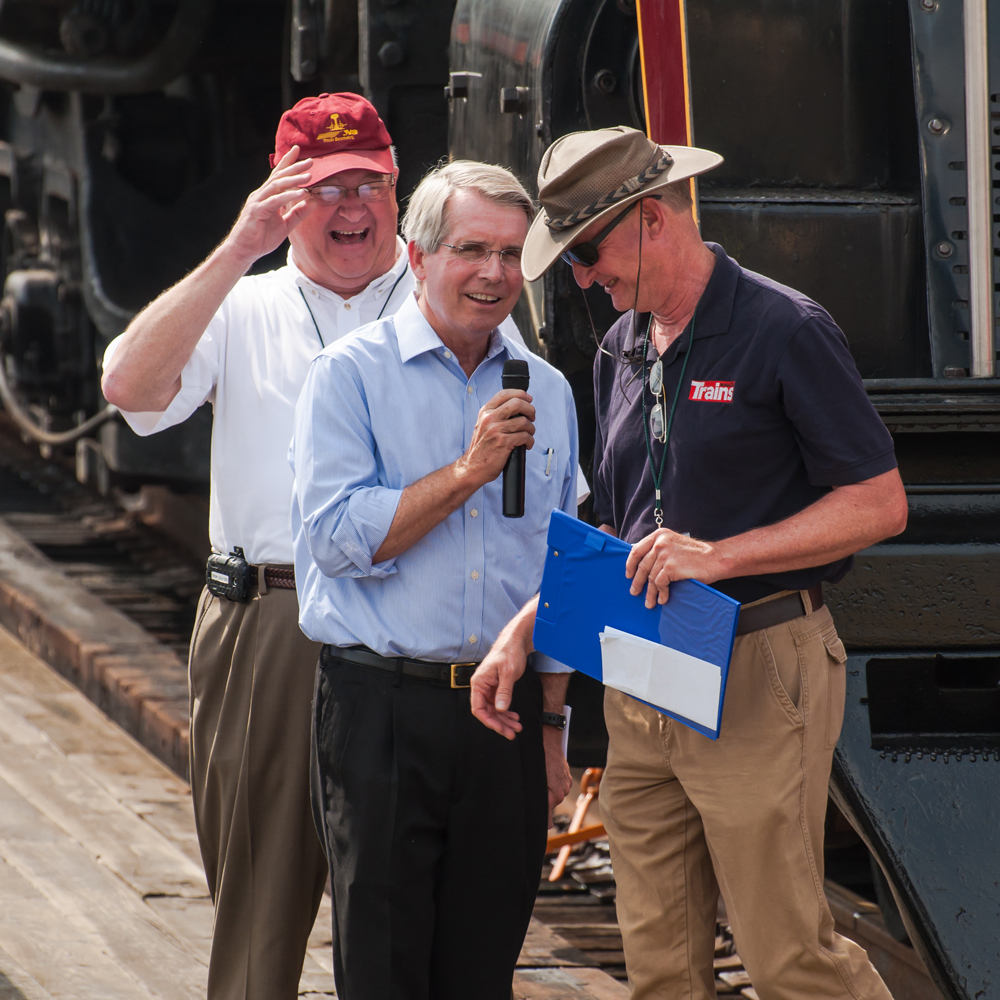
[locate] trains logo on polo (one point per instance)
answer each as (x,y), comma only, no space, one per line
(337,131)
(712,392)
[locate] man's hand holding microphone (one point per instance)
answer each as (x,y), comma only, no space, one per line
(504,429)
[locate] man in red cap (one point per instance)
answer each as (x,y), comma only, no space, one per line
(244,343)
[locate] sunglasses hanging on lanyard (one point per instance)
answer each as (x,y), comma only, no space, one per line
(657,424)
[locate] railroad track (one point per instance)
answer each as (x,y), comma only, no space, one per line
(104,543)
(128,563)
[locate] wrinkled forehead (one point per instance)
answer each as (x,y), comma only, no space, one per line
(470,217)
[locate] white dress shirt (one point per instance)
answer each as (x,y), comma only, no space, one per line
(250,364)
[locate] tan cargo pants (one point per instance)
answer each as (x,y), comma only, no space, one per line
(251,675)
(688,817)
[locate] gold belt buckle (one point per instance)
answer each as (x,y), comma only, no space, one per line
(453,683)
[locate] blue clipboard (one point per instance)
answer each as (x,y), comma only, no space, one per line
(584,589)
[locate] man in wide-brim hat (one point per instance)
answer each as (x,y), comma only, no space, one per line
(738,448)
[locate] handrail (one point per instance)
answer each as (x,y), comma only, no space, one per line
(982,362)
(54,71)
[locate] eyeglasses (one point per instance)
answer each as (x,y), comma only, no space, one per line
(476,253)
(657,416)
(587,254)
(334,194)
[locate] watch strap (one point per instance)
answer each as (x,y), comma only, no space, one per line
(556,719)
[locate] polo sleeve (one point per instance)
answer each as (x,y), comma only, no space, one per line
(344,511)
(840,435)
(199,378)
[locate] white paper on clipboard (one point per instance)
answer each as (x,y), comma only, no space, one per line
(667,678)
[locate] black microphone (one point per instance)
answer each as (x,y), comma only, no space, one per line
(515,376)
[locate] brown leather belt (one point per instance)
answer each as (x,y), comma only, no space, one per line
(781,609)
(455,675)
(274,576)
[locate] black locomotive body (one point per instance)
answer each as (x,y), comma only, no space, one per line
(133,129)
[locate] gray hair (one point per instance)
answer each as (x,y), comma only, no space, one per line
(426,219)
(677,196)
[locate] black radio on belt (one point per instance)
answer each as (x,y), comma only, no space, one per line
(228,576)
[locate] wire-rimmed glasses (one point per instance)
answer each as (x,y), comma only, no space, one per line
(476,253)
(334,194)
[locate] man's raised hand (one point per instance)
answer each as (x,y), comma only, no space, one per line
(274,209)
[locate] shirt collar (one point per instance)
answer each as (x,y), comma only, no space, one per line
(715,308)
(414,335)
(381,284)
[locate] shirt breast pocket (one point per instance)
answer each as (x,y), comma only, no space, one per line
(542,482)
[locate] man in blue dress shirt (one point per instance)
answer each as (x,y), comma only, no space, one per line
(407,571)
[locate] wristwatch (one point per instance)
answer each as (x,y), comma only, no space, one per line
(554,719)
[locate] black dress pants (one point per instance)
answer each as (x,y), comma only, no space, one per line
(435,832)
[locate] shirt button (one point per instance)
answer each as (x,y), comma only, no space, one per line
(475,574)
(313,290)
(473,638)
(474,512)
(347,305)
(469,390)
(447,354)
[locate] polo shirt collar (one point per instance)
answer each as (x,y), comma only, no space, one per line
(381,284)
(715,309)
(414,335)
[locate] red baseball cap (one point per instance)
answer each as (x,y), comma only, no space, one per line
(339,131)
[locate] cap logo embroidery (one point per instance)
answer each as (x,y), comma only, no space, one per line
(712,392)
(337,131)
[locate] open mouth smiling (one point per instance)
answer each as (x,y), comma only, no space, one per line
(350,235)
(489,300)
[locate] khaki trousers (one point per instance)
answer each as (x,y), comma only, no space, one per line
(251,675)
(687,817)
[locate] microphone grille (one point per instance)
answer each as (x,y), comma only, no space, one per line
(515,374)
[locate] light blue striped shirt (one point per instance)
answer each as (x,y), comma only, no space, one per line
(379,410)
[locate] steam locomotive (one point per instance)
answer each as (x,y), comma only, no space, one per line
(862,166)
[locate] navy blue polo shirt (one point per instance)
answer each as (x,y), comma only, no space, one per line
(771,415)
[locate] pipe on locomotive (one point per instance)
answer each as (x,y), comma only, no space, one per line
(54,438)
(27,66)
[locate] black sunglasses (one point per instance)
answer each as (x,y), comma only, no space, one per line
(587,254)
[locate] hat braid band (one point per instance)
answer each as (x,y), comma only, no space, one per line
(630,186)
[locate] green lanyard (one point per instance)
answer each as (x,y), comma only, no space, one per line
(658,473)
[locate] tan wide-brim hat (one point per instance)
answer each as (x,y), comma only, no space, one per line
(586,176)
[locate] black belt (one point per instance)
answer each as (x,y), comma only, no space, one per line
(781,609)
(456,675)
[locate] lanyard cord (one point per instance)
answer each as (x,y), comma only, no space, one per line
(312,317)
(658,474)
(391,290)
(377,318)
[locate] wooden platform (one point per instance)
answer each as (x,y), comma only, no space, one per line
(102,895)
(140,683)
